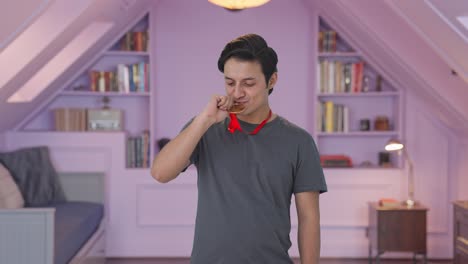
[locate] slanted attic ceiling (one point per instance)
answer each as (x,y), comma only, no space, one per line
(119,13)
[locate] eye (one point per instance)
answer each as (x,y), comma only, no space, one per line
(230,83)
(249,84)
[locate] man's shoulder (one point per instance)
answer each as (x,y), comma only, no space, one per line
(293,128)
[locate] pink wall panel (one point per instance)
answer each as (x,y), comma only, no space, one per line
(188,44)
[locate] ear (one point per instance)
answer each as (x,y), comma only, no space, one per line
(273,80)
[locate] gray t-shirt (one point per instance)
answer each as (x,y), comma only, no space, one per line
(245,186)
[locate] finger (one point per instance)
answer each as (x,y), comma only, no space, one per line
(228,103)
(221,101)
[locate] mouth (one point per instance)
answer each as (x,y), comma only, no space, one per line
(236,108)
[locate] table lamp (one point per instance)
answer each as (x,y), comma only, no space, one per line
(396,145)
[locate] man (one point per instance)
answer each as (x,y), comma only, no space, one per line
(249,164)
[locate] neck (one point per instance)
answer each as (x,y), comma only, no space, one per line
(257,117)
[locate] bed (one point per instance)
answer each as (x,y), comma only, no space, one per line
(58,223)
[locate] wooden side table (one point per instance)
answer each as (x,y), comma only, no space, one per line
(397,228)
(460,232)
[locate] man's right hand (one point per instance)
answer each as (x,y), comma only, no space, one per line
(216,109)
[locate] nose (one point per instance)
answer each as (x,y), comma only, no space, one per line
(238,92)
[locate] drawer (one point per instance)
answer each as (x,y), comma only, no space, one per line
(460,258)
(461,215)
(461,229)
(462,244)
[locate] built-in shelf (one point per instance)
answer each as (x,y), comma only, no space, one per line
(361,94)
(338,54)
(87,93)
(139,171)
(358,134)
(362,168)
(125,53)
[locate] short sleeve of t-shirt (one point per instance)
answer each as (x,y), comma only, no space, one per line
(309,173)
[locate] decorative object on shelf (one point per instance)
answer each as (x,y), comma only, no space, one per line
(335,161)
(366,164)
(79,88)
(384,160)
(381,123)
(378,84)
(236,5)
(105,119)
(365,84)
(105,102)
(364,124)
(396,145)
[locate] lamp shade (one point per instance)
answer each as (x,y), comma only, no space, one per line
(394,145)
(238,4)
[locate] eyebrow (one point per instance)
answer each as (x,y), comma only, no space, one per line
(245,79)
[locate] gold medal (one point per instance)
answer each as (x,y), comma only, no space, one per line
(236,109)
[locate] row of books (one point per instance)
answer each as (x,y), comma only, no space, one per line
(332,117)
(327,41)
(138,150)
(126,78)
(134,41)
(341,77)
(389,202)
(70,119)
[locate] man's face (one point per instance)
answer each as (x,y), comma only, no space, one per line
(245,82)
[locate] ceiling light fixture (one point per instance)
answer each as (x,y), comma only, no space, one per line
(238,4)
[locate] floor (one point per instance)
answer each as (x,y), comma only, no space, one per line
(323,261)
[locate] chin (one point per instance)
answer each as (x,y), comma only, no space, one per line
(246,112)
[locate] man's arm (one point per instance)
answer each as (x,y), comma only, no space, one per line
(175,156)
(308,215)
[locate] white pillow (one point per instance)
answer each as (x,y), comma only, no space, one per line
(10,196)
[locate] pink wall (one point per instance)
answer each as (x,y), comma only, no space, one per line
(188,43)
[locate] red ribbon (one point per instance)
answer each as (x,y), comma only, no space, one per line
(235,125)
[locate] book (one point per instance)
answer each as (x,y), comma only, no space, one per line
(389,202)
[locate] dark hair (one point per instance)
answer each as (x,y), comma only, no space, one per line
(251,47)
